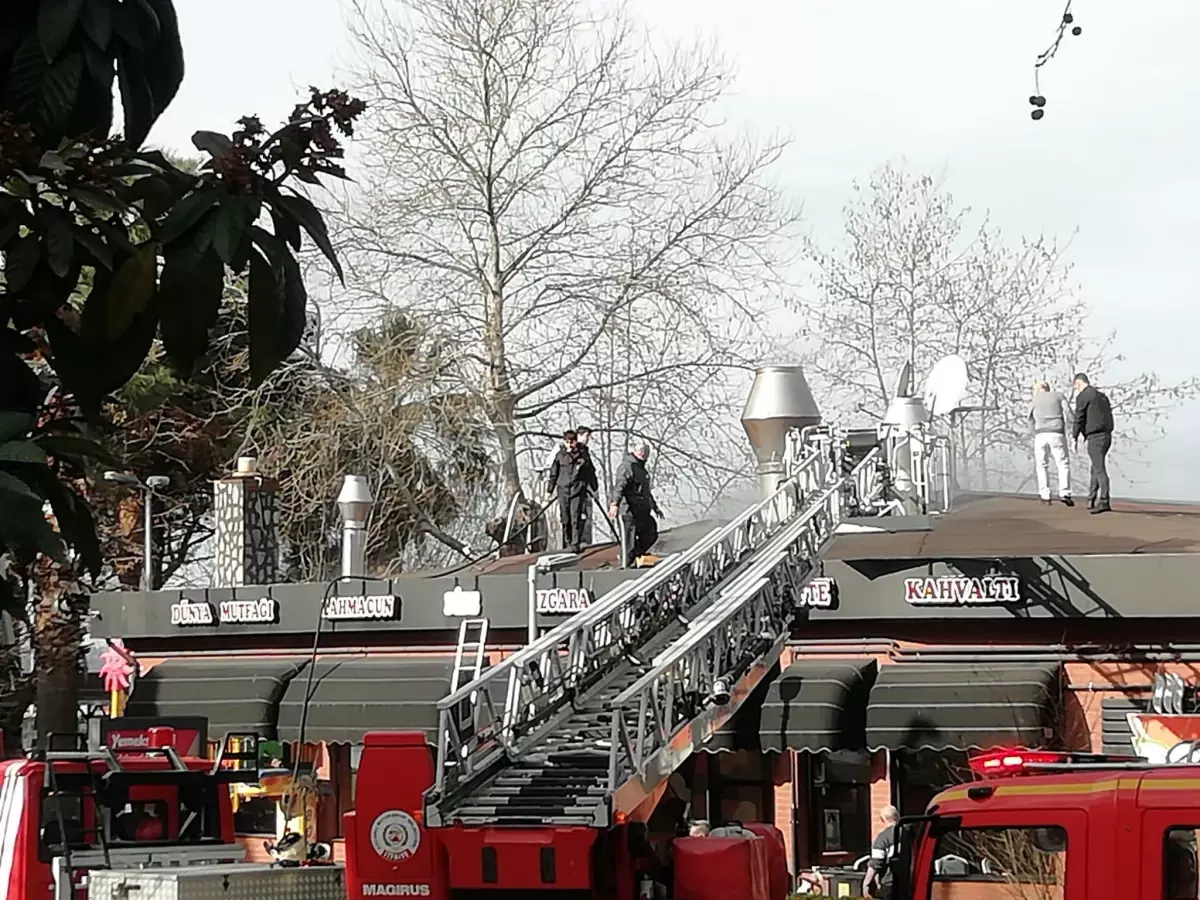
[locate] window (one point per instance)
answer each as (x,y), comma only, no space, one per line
(1180,865)
(256,816)
(841,792)
(920,775)
(741,787)
(1030,862)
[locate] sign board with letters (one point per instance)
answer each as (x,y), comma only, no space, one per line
(562,601)
(819,593)
(186,613)
(361,609)
(261,611)
(962,590)
(130,734)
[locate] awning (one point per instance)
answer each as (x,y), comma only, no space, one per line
(812,705)
(938,706)
(233,694)
(353,696)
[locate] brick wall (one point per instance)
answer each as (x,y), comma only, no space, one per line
(1082,713)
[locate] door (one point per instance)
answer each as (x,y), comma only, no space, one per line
(1169,854)
(1034,855)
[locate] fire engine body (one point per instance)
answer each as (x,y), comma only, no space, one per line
(1056,825)
(64,813)
(390,851)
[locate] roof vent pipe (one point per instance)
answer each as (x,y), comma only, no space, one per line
(780,400)
(355,502)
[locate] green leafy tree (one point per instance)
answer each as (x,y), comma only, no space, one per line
(148,246)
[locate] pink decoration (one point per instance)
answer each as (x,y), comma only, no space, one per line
(117,666)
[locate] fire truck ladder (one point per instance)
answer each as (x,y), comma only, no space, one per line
(598,712)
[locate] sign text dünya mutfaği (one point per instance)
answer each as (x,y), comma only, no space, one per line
(260,611)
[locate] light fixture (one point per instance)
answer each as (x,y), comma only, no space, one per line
(719,695)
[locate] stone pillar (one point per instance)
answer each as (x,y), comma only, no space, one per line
(247,544)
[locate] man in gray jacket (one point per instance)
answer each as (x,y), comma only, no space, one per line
(1049,417)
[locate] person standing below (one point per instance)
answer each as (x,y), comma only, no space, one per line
(878,881)
(1049,417)
(1094,423)
(571,476)
(633,502)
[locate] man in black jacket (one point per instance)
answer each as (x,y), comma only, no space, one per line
(634,503)
(572,477)
(1094,423)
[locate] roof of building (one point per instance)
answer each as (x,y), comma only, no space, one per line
(979,525)
(1012,525)
(601,556)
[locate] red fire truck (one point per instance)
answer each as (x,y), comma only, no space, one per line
(1056,826)
(67,810)
(391,853)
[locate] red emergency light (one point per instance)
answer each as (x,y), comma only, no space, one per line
(1004,763)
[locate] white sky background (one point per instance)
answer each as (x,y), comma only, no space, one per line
(941,83)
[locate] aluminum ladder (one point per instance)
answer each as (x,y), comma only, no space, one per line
(598,712)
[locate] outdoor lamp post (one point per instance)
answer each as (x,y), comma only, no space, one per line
(152,485)
(354,502)
(552,562)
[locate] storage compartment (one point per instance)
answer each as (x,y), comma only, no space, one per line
(238,881)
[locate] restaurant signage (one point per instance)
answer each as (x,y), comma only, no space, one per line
(962,590)
(263,611)
(360,609)
(563,601)
(192,612)
(819,593)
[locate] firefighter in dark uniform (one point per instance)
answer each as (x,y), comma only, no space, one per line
(572,477)
(878,881)
(634,503)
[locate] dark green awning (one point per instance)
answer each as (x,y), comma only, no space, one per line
(939,706)
(811,705)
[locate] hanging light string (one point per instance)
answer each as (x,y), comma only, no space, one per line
(1038,100)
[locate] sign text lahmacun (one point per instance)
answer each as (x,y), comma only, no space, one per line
(962,590)
(360,609)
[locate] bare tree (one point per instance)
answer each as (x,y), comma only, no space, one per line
(543,186)
(915,280)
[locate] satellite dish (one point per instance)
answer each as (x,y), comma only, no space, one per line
(904,381)
(945,385)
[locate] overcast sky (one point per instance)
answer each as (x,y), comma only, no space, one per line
(940,83)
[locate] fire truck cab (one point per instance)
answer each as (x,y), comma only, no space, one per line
(1056,826)
(67,810)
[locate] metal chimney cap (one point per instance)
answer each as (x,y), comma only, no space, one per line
(355,500)
(780,399)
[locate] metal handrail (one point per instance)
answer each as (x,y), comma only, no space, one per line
(549,673)
(735,641)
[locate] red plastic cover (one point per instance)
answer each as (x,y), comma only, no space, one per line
(717,868)
(777,867)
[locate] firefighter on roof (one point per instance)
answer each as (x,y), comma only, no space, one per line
(634,503)
(572,477)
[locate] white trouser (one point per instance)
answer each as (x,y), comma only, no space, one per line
(1046,446)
